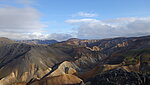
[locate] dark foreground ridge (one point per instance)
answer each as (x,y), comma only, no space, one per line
(121,77)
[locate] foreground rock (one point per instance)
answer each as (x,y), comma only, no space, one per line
(121,77)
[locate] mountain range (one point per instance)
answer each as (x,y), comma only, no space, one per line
(36,41)
(111,61)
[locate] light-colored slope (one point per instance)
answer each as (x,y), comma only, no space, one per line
(65,79)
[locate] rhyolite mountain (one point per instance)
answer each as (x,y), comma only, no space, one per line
(110,61)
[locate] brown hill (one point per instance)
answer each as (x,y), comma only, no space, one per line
(65,79)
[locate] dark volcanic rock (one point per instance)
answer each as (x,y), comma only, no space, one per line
(121,77)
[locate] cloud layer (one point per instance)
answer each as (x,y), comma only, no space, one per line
(36,35)
(119,27)
(14,19)
(25,23)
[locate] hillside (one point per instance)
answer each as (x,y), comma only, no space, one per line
(22,62)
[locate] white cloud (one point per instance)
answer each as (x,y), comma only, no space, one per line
(19,23)
(14,19)
(85,14)
(22,36)
(24,23)
(98,29)
(81,21)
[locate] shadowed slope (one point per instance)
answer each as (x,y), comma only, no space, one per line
(21,62)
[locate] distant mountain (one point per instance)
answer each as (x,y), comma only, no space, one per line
(36,41)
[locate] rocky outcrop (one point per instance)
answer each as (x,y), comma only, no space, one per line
(95,48)
(65,67)
(123,44)
(121,77)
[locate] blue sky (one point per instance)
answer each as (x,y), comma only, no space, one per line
(57,11)
(63,19)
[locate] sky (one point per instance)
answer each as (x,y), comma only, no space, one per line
(64,19)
